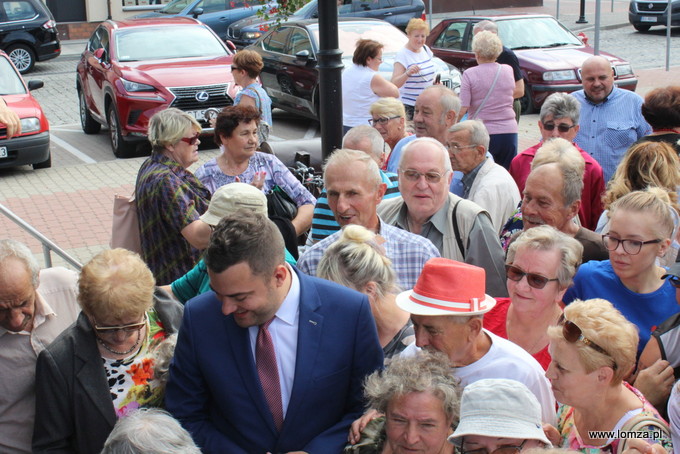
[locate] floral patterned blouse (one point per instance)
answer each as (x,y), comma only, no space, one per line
(131,380)
(571,439)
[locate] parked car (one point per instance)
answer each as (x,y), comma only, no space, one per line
(216,14)
(32,146)
(549,55)
(397,12)
(643,15)
(28,33)
(291,76)
(133,68)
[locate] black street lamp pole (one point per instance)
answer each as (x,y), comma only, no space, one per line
(582,14)
(330,78)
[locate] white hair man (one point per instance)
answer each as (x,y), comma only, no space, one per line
(35,307)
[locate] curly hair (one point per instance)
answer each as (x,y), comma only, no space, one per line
(487,45)
(230,117)
(661,108)
(168,126)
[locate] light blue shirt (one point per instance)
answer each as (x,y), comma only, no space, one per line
(395,156)
(284,332)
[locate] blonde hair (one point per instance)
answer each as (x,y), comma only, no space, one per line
(646,164)
(654,201)
(116,284)
(487,45)
(417,24)
(569,162)
(168,126)
(600,322)
(388,107)
(355,259)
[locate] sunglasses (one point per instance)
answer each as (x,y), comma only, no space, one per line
(131,328)
(191,140)
(534,280)
(430,177)
(572,334)
(562,127)
(381,121)
(675,281)
(234,68)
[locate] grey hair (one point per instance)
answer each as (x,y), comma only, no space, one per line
(561,105)
(569,162)
(547,238)
(149,431)
(14,249)
(365,132)
(424,372)
(448,100)
(168,126)
(162,356)
(346,156)
(485,25)
(478,132)
(355,259)
(423,141)
(487,45)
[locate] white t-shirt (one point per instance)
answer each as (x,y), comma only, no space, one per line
(418,81)
(357,95)
(507,360)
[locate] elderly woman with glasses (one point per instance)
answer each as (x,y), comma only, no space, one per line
(419,398)
(640,229)
(362,84)
(170,199)
(102,367)
(388,117)
(540,266)
(593,350)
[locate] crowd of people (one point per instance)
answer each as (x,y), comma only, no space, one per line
(455,296)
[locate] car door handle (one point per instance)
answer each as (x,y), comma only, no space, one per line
(224,18)
(387,14)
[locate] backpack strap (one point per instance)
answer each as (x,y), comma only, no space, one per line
(456,230)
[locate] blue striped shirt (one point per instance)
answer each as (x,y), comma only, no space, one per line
(610,127)
(417,82)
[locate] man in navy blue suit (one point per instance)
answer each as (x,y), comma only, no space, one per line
(271,361)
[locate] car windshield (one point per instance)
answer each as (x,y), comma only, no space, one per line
(535,32)
(350,32)
(164,43)
(304,11)
(175,7)
(10,83)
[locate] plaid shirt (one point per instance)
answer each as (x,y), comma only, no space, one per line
(168,199)
(408,253)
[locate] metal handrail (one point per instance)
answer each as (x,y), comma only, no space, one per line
(48,245)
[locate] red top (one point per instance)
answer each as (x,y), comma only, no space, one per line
(593,183)
(495,320)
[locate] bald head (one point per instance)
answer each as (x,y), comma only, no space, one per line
(597,78)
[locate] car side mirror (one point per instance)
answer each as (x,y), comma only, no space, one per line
(315,15)
(197,12)
(35,84)
(230,45)
(303,56)
(100,54)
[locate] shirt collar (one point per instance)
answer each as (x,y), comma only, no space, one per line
(40,313)
(606,98)
(469,178)
(440,220)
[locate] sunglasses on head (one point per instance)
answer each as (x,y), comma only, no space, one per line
(534,280)
(191,140)
(572,334)
(562,127)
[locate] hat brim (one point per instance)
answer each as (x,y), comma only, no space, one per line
(405,302)
(487,426)
(210,218)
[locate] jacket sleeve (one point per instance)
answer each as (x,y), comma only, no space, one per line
(484,250)
(54,423)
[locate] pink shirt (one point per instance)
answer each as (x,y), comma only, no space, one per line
(497,113)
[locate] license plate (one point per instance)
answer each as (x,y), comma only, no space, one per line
(3,152)
(648,19)
(197,114)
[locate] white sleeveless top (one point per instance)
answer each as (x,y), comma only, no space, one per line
(357,95)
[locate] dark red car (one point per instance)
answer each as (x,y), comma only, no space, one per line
(549,55)
(133,68)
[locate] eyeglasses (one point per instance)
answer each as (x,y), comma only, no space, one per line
(191,140)
(572,334)
(562,127)
(632,247)
(534,280)
(503,449)
(234,68)
(381,121)
(675,281)
(459,148)
(131,328)
(430,177)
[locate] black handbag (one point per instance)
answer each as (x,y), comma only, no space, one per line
(280,204)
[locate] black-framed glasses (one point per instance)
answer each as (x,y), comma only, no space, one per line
(430,177)
(130,328)
(562,127)
(234,68)
(381,121)
(572,334)
(191,140)
(534,280)
(459,148)
(503,449)
(632,247)
(675,281)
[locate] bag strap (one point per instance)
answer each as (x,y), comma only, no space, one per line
(259,100)
(488,93)
(456,230)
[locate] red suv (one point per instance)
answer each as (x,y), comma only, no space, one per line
(132,69)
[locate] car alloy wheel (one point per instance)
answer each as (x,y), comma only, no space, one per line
(22,56)
(121,149)
(87,122)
